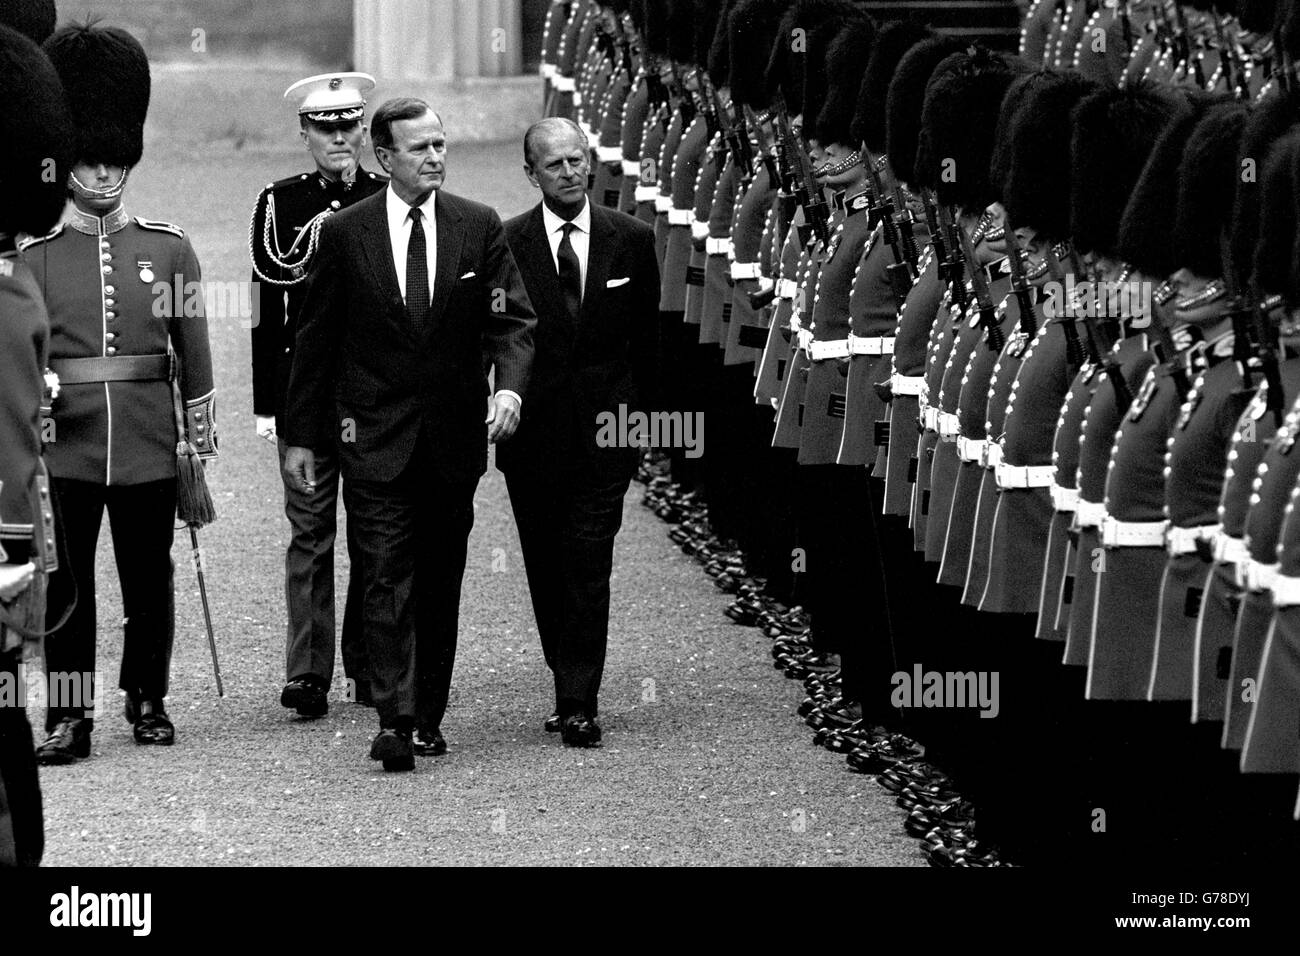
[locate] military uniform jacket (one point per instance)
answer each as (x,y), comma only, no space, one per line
(285,227)
(116,288)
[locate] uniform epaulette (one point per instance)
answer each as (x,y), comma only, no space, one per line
(287,181)
(26,241)
(160,226)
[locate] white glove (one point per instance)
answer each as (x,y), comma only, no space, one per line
(265,427)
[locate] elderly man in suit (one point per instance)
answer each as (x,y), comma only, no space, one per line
(592,275)
(412,297)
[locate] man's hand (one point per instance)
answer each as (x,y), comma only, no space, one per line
(300,468)
(15,579)
(265,427)
(503,417)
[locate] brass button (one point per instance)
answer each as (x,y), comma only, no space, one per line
(110,336)
(110,302)
(106,256)
(110,350)
(110,316)
(109,290)
(108,270)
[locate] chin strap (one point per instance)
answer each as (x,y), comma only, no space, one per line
(89,192)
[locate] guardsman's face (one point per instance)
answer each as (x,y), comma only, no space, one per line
(561,160)
(417,161)
(336,147)
(97,176)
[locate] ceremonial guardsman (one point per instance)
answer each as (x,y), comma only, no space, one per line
(129,342)
(282,242)
(38,131)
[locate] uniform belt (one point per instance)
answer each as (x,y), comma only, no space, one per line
(548,70)
(971,449)
(1064,499)
(1089,514)
(745,270)
(930,418)
(871,344)
(593,136)
(680,217)
(119,368)
(1229,549)
(907,384)
(1184,540)
(577,96)
(699,230)
(1023,476)
(992,457)
(562,83)
(609,154)
(663,204)
(718,247)
(785,288)
(830,349)
(804,338)
(1286,590)
(948,425)
(1260,577)
(1132,534)
(646,194)
(631,168)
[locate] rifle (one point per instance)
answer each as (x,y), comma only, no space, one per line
(936,237)
(805,188)
(900,271)
(734,133)
(956,264)
(988,313)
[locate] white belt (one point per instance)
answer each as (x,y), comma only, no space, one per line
(1183,540)
(646,194)
(804,338)
(562,83)
(593,140)
(577,97)
(663,203)
(930,418)
(1089,514)
(906,384)
(548,70)
(831,349)
(745,270)
(1132,534)
(680,217)
(1023,476)
(1064,499)
(1229,549)
(871,344)
(1260,577)
(971,449)
(718,247)
(609,154)
(631,168)
(785,288)
(949,426)
(1286,590)
(699,230)
(992,457)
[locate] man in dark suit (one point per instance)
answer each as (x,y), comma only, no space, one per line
(412,297)
(592,275)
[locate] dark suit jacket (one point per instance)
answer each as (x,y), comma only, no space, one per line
(366,375)
(593,365)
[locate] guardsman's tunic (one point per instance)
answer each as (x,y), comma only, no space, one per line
(552,35)
(794,263)
(697,288)
(948,324)
(632,128)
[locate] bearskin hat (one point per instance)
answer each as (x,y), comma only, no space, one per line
(753,26)
(1273,269)
(906,99)
(789,64)
(33,18)
(846,62)
(1114,132)
(718,56)
(1257,16)
(1037,189)
(105,75)
(958,121)
(654,27)
(681,30)
(39,131)
(1268,121)
(893,42)
(1207,184)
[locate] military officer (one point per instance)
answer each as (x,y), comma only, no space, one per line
(282,241)
(129,342)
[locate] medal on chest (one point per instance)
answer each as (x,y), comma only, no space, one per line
(146,271)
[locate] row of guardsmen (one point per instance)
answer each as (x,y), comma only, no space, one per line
(998,360)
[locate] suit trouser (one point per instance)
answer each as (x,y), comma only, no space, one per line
(309,579)
(141,518)
(412,533)
(567,526)
(22,825)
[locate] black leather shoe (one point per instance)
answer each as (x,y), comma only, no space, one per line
(579,730)
(153,725)
(66,743)
(394,748)
(429,743)
(306,697)
(553,724)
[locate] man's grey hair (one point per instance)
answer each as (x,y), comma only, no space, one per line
(550,123)
(394,111)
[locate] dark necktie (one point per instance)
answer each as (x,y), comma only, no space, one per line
(570,272)
(417,271)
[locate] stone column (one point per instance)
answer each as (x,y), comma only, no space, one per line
(438,40)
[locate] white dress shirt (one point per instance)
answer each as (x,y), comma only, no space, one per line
(399,234)
(579,238)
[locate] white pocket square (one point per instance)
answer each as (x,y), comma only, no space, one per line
(468,275)
(615,283)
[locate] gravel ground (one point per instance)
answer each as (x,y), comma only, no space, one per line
(705,761)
